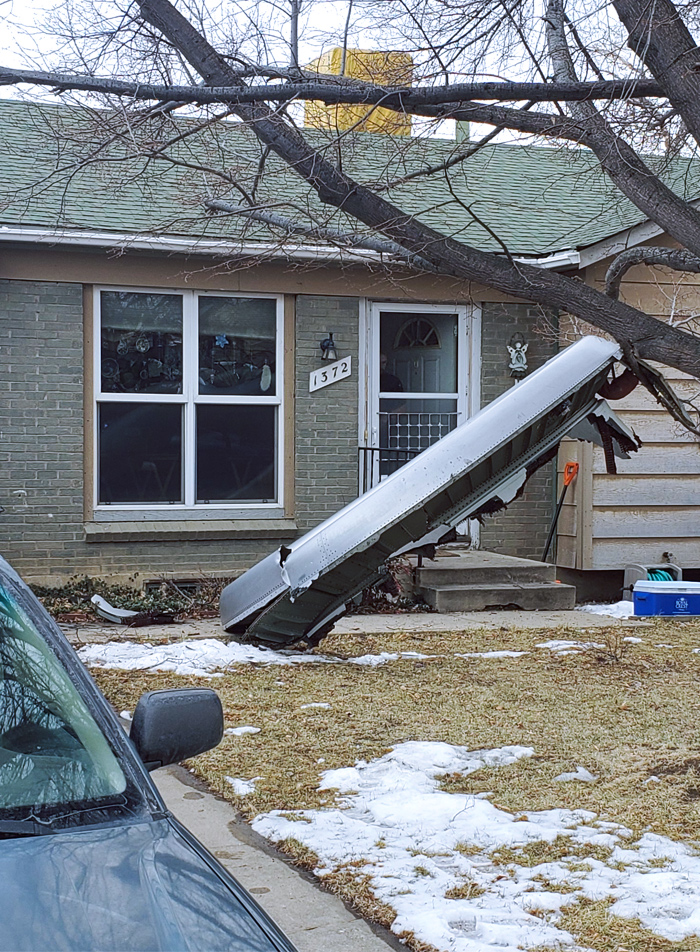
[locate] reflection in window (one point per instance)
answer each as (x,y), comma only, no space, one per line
(236,453)
(51,749)
(141,342)
(418,332)
(140,452)
(237,345)
(189,407)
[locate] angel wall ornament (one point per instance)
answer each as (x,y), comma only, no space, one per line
(517,348)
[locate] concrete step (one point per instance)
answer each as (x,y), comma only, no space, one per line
(481,568)
(529,596)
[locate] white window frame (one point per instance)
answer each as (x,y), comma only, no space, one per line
(189,399)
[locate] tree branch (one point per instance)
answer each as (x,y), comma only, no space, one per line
(334,90)
(662,41)
(343,238)
(668,257)
(640,333)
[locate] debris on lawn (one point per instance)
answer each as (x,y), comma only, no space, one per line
(71,602)
(126,616)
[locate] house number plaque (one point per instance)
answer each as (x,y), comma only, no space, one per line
(325,376)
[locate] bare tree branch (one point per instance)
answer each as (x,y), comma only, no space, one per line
(676,259)
(639,333)
(332,90)
(342,238)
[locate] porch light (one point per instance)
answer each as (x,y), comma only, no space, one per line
(328,348)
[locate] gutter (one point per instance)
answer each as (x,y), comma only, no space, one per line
(120,241)
(172,244)
(560,259)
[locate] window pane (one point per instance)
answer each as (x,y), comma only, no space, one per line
(418,352)
(236,453)
(416,424)
(237,345)
(141,342)
(139,453)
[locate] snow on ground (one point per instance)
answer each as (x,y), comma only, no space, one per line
(240,731)
(559,647)
(492,654)
(242,787)
(199,657)
(373,661)
(405,834)
(623,609)
(579,774)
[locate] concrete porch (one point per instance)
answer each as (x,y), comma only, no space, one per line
(462,580)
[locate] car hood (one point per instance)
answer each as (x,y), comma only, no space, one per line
(142,886)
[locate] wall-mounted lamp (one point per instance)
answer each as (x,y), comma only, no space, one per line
(328,349)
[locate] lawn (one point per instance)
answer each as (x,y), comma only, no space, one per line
(529,867)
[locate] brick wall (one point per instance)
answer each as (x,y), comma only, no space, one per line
(41,456)
(41,451)
(522,529)
(326,471)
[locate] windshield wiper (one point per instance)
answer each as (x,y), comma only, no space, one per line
(28,827)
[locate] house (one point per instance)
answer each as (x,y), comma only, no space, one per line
(159,417)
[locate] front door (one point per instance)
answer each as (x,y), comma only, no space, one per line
(418,380)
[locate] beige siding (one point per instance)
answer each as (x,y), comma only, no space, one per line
(652,506)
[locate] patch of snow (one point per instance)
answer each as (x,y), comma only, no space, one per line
(652,779)
(193,657)
(374,661)
(585,776)
(492,654)
(322,704)
(662,645)
(242,787)
(632,640)
(126,715)
(568,647)
(623,609)
(403,834)
(201,657)
(240,731)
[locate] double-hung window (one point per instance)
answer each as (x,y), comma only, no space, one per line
(188,404)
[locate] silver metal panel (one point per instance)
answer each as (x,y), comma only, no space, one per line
(296,592)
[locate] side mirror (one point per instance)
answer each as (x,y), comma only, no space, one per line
(172,725)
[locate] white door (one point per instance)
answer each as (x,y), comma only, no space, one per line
(418,380)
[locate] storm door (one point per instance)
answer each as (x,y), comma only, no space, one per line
(418,386)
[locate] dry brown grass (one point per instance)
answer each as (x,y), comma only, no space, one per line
(626,713)
(595,928)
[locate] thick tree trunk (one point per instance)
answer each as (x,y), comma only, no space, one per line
(662,41)
(646,336)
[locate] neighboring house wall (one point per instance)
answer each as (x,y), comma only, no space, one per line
(651,506)
(522,529)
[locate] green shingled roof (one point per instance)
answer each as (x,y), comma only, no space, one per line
(535,200)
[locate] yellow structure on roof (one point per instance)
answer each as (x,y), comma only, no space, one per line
(381,68)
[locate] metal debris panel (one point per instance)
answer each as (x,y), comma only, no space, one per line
(298,591)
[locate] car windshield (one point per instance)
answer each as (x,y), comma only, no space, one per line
(52,752)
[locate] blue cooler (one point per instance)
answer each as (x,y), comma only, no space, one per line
(666,598)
